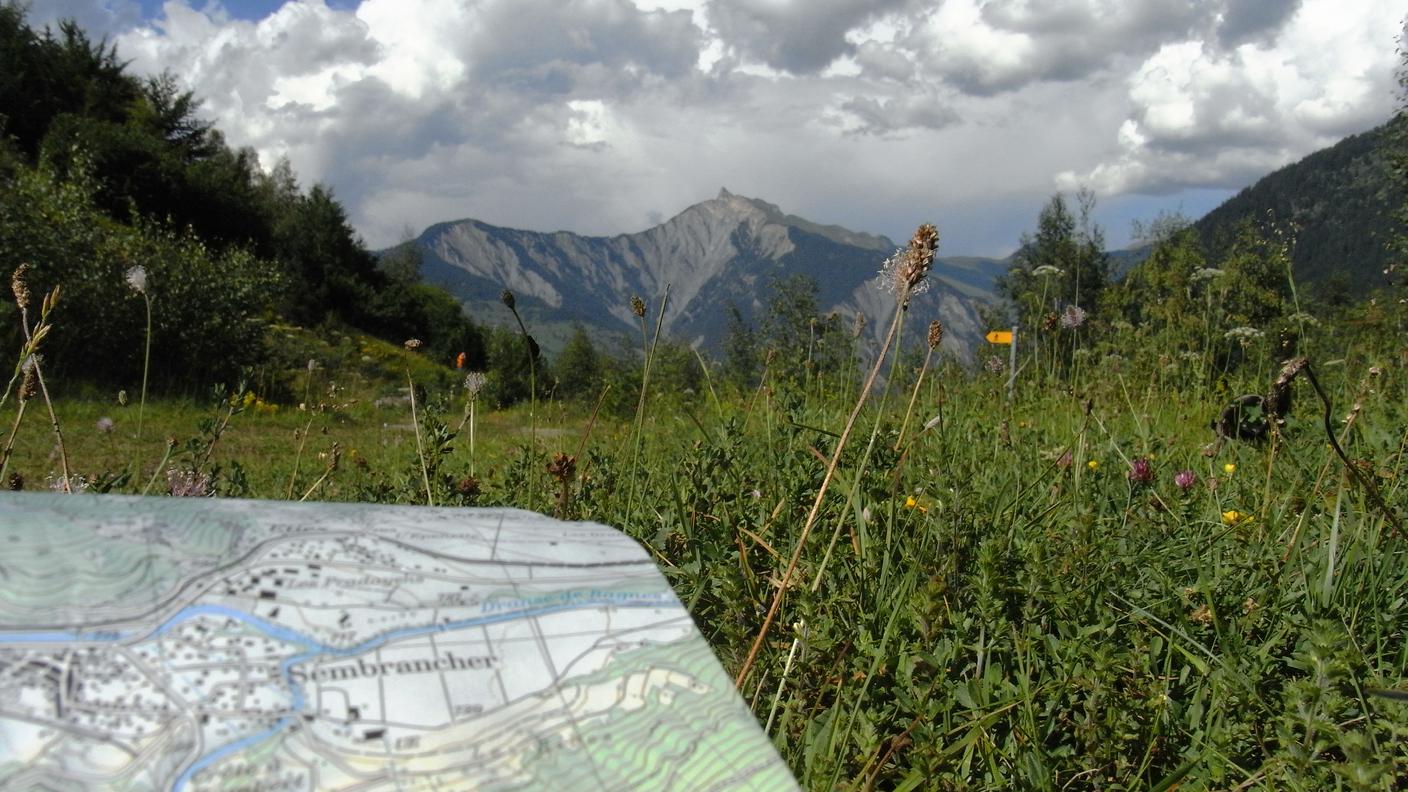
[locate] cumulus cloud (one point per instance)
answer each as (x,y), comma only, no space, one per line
(797,36)
(599,115)
(1204,116)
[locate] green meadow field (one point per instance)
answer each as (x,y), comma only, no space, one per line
(1077,587)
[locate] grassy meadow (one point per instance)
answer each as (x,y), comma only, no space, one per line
(1077,588)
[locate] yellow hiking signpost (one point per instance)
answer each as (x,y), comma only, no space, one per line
(1008,337)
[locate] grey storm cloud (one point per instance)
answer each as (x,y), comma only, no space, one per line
(797,36)
(602,115)
(906,112)
(539,41)
(1247,20)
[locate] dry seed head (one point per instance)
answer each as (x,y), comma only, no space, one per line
(858,326)
(638,307)
(936,334)
(29,387)
(137,279)
(920,256)
(20,286)
(506,297)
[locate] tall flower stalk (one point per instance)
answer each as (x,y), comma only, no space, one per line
(27,371)
(507,298)
(473,384)
(905,272)
(648,350)
(137,281)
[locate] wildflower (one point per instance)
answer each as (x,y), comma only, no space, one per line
(1073,317)
(1229,468)
(1244,335)
(105,425)
(1203,614)
(904,272)
(1141,472)
(1046,271)
(638,307)
(1065,460)
(562,467)
(73,484)
(137,279)
(468,488)
(459,361)
(995,364)
(412,344)
(122,398)
(1234,517)
(474,382)
(506,297)
(912,502)
(1093,464)
(1185,479)
(936,334)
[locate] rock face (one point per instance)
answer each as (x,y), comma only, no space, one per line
(716,254)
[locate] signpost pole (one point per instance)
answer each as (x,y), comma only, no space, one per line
(1012,364)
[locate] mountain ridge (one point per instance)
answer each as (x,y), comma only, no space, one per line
(713,256)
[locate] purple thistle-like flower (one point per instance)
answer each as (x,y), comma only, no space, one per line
(1185,479)
(1141,472)
(105,425)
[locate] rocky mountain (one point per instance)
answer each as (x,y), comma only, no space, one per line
(715,255)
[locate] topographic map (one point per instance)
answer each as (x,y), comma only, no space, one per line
(195,644)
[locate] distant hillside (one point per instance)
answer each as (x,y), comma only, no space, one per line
(716,254)
(1341,199)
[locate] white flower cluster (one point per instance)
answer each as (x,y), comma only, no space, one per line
(1243,334)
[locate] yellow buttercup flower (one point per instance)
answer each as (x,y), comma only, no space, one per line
(1093,464)
(1229,468)
(1233,517)
(912,503)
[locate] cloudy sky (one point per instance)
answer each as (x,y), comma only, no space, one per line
(606,116)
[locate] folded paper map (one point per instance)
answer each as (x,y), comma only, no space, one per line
(199,644)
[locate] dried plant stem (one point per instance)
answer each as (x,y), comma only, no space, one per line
(1353,469)
(648,347)
(420,447)
(10,441)
(298,457)
(146,366)
(913,396)
(332,465)
(801,629)
(32,339)
(54,424)
(170,445)
(820,497)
